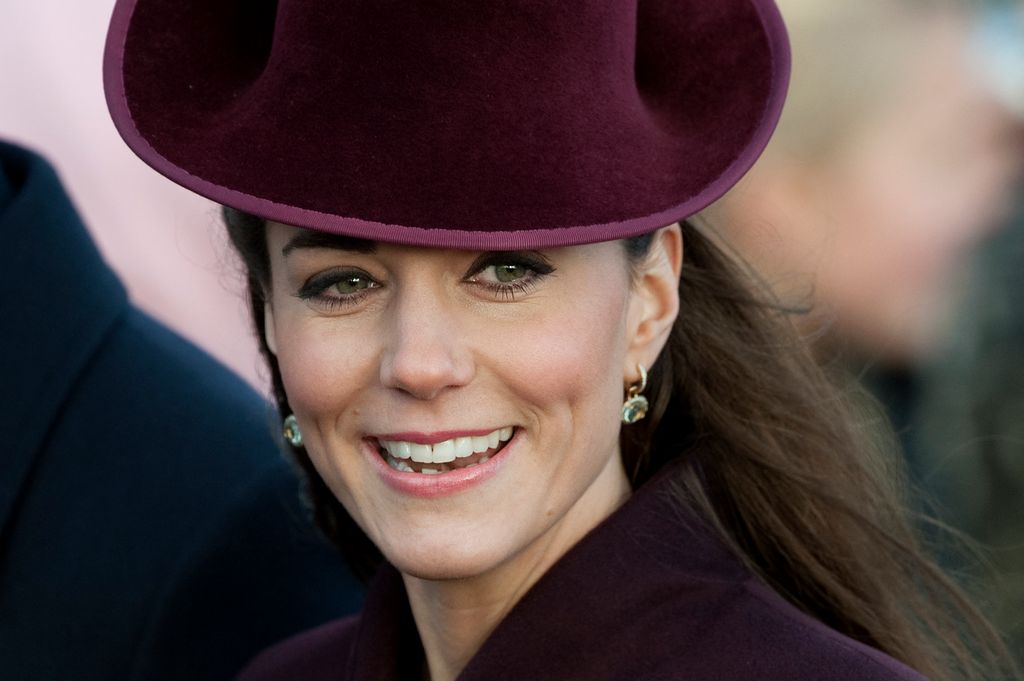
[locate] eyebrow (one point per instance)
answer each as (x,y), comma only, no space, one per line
(311,239)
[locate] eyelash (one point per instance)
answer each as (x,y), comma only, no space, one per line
(314,289)
(537,268)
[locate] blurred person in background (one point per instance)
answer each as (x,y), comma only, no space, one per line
(149,527)
(894,159)
(175,559)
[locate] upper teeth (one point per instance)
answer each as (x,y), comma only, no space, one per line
(449,450)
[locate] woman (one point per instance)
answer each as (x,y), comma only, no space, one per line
(466,258)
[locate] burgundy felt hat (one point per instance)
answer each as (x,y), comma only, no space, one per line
(454,123)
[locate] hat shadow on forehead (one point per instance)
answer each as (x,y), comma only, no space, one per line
(451,123)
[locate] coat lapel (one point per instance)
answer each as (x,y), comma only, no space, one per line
(387,646)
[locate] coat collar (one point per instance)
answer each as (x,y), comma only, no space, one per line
(57,299)
(6,188)
(640,576)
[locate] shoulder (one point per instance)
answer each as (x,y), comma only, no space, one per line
(239,530)
(172,455)
(152,386)
(174,422)
(175,371)
(772,639)
(321,653)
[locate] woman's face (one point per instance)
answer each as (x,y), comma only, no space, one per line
(463,406)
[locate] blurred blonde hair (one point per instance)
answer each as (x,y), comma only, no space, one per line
(849,58)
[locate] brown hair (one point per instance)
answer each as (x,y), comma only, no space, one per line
(770,453)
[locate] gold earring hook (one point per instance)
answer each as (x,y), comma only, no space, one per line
(636,389)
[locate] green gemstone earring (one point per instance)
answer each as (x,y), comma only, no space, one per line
(636,405)
(292,434)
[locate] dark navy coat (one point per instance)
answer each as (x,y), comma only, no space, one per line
(149,527)
(651,594)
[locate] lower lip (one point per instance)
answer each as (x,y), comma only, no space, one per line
(427,486)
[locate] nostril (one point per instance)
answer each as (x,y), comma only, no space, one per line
(425,377)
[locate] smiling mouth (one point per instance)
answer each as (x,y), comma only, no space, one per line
(442,457)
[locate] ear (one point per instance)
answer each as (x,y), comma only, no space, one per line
(268,327)
(655,303)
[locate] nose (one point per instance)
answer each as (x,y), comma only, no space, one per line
(425,353)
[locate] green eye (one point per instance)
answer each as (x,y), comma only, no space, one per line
(505,275)
(352,284)
(509,273)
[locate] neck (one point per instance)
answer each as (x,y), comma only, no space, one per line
(455,617)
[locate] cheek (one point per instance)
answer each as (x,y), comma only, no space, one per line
(324,374)
(567,366)
(322,364)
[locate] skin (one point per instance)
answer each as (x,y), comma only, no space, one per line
(875,232)
(430,345)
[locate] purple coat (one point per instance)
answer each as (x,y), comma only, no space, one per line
(649,594)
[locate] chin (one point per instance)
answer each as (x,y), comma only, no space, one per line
(453,551)
(436,564)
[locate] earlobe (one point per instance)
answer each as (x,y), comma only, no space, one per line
(268,328)
(657,292)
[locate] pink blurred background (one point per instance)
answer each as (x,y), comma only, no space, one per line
(164,242)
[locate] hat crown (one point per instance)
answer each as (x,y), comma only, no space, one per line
(442,58)
(450,122)
(460,38)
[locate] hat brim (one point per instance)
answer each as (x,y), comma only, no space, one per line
(249,110)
